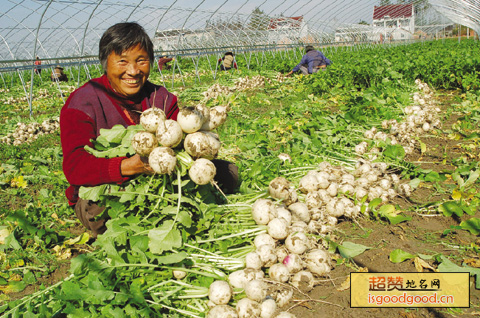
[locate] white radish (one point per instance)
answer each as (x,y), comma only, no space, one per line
(200,145)
(190,119)
(220,292)
(222,311)
(294,263)
(278,228)
(303,280)
(143,142)
(297,243)
(256,290)
(267,255)
(202,171)
(268,308)
(162,160)
(151,118)
(263,211)
(283,297)
(284,213)
(247,308)
(169,133)
(318,261)
(279,273)
(280,188)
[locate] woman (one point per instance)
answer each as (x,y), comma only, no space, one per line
(117,97)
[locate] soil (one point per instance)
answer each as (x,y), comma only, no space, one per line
(422,234)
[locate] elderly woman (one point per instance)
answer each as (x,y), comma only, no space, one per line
(117,97)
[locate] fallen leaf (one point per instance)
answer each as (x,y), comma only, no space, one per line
(345,285)
(473,262)
(420,264)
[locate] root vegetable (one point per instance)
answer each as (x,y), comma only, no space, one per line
(162,160)
(143,142)
(202,171)
(263,211)
(308,183)
(303,280)
(200,145)
(268,308)
(253,260)
(218,116)
(151,118)
(190,119)
(318,261)
(222,311)
(267,255)
(283,297)
(263,239)
(256,290)
(297,243)
(300,212)
(247,308)
(285,314)
(278,228)
(169,133)
(279,273)
(294,263)
(285,214)
(220,292)
(280,188)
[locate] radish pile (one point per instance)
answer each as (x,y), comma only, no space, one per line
(26,133)
(421,118)
(241,84)
(194,127)
(290,253)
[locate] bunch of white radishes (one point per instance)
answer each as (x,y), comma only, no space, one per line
(26,133)
(241,84)
(258,303)
(420,119)
(192,130)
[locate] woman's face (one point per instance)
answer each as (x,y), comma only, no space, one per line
(128,71)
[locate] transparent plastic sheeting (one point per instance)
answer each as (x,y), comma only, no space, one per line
(65,29)
(464,12)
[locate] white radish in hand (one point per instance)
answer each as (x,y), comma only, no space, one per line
(162,160)
(143,143)
(151,118)
(200,145)
(169,133)
(202,171)
(190,119)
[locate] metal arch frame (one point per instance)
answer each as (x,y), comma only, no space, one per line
(30,98)
(85,36)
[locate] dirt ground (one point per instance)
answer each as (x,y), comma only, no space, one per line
(422,234)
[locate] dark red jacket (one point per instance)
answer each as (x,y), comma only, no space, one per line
(90,108)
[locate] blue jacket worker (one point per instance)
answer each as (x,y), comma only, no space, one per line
(311,62)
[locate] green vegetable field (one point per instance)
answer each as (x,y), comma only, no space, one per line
(371,166)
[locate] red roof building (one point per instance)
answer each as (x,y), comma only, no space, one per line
(393,11)
(285,23)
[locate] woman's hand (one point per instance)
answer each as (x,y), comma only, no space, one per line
(135,165)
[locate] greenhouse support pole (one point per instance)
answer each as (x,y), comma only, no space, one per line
(30,99)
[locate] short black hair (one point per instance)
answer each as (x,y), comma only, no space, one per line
(229,53)
(121,37)
(309,48)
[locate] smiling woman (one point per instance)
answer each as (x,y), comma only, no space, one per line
(117,97)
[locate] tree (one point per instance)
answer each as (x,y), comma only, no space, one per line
(363,22)
(258,20)
(384,2)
